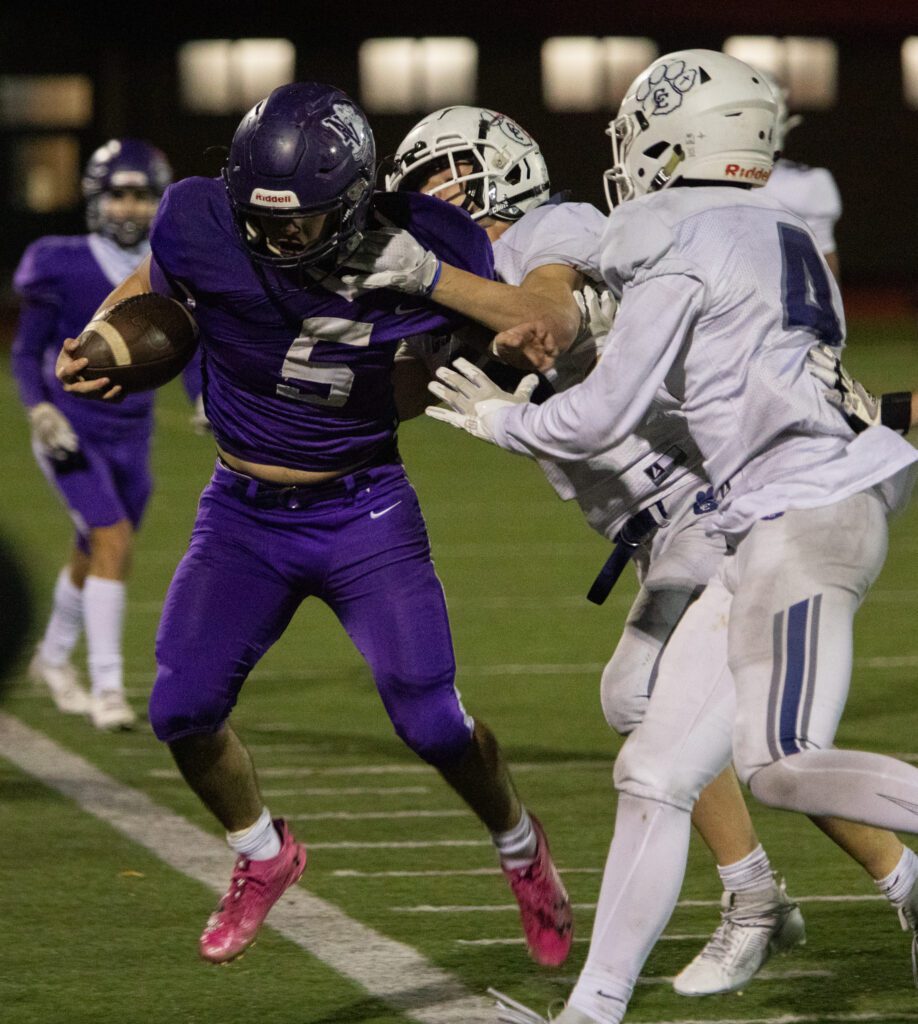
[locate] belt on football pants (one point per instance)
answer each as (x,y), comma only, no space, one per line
(627,540)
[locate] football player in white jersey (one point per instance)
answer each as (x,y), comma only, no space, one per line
(486,163)
(809,192)
(722,295)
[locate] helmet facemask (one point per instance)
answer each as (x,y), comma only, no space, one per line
(504,175)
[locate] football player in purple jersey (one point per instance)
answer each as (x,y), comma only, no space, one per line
(96,455)
(309,496)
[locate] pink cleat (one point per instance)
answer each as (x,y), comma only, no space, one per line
(255,887)
(545,907)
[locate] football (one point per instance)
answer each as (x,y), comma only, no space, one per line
(140,343)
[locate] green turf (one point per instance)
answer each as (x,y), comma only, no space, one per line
(95,929)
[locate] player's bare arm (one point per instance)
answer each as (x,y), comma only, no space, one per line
(68,369)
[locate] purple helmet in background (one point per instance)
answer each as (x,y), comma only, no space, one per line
(119,168)
(305,151)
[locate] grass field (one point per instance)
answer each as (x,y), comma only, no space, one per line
(95,927)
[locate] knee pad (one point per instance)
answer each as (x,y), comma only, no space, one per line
(178,709)
(624,698)
(429,718)
(643,770)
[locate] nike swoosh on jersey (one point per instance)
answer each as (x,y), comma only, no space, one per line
(376,515)
(405,310)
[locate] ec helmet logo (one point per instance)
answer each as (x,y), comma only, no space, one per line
(665,87)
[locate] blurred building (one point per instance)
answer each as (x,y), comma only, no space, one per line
(72,76)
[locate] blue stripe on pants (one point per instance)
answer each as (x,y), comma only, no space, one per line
(793,676)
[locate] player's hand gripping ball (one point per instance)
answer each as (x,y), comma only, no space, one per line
(139,343)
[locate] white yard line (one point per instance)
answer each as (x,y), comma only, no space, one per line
(349,791)
(388,970)
(398,769)
(491,908)
(804,1018)
(350,873)
(406,844)
(375,815)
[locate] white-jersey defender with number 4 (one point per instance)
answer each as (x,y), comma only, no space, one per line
(723,293)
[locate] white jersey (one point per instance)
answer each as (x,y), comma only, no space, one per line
(659,456)
(723,293)
(812,194)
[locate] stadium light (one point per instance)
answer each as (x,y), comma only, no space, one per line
(581,73)
(806,65)
(225,76)
(45,101)
(404,75)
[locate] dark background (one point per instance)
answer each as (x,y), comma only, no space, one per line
(869,140)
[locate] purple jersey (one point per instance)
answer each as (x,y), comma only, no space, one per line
(62,281)
(298,374)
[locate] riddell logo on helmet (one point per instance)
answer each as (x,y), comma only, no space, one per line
(753,173)
(262,197)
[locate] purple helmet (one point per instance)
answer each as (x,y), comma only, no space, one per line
(121,166)
(305,151)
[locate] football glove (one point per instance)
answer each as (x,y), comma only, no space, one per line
(473,398)
(393,258)
(597,311)
(52,431)
(859,407)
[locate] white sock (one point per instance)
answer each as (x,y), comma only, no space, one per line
(640,887)
(871,788)
(517,847)
(898,884)
(749,874)
(103,615)
(257,842)
(66,622)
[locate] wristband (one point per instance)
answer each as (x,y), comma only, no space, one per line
(896,411)
(433,284)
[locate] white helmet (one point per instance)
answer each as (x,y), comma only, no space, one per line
(694,115)
(508,175)
(785,120)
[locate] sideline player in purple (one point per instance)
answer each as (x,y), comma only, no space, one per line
(95,454)
(309,497)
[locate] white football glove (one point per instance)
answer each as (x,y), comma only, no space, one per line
(859,407)
(393,258)
(52,430)
(597,311)
(473,397)
(200,424)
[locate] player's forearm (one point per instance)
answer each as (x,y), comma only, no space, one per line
(136,283)
(500,306)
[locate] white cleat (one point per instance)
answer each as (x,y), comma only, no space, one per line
(908,917)
(111,712)
(753,925)
(63,683)
(509,1011)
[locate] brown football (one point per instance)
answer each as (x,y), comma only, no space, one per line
(140,343)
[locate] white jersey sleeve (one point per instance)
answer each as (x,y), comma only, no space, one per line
(566,234)
(810,193)
(665,295)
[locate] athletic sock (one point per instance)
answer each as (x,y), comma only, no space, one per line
(751,873)
(517,847)
(257,842)
(898,884)
(103,614)
(640,887)
(66,621)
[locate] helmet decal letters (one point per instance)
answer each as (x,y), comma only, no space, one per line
(347,123)
(663,90)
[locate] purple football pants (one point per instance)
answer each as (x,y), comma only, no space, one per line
(102,483)
(360,545)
